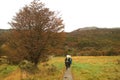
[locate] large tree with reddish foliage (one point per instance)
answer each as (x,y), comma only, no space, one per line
(37,32)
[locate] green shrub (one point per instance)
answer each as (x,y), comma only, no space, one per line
(6,69)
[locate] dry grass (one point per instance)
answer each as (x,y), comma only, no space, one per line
(16,75)
(83,68)
(95,59)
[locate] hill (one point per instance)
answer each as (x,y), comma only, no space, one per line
(94,40)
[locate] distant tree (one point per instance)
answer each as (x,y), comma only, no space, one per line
(37,32)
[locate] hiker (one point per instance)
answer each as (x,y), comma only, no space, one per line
(68,61)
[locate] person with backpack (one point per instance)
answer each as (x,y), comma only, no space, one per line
(68,61)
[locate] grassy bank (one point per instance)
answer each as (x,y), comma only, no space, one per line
(51,70)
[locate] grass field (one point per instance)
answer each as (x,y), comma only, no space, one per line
(83,68)
(96,68)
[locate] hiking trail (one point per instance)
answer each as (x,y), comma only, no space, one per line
(67,75)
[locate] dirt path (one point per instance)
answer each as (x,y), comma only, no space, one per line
(68,75)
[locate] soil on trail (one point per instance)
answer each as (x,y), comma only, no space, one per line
(68,75)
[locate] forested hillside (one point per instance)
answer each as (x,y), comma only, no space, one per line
(94,41)
(91,41)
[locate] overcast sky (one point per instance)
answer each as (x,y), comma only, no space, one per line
(75,13)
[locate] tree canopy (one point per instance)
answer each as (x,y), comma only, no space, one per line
(37,32)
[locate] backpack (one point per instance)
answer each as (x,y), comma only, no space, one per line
(68,60)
